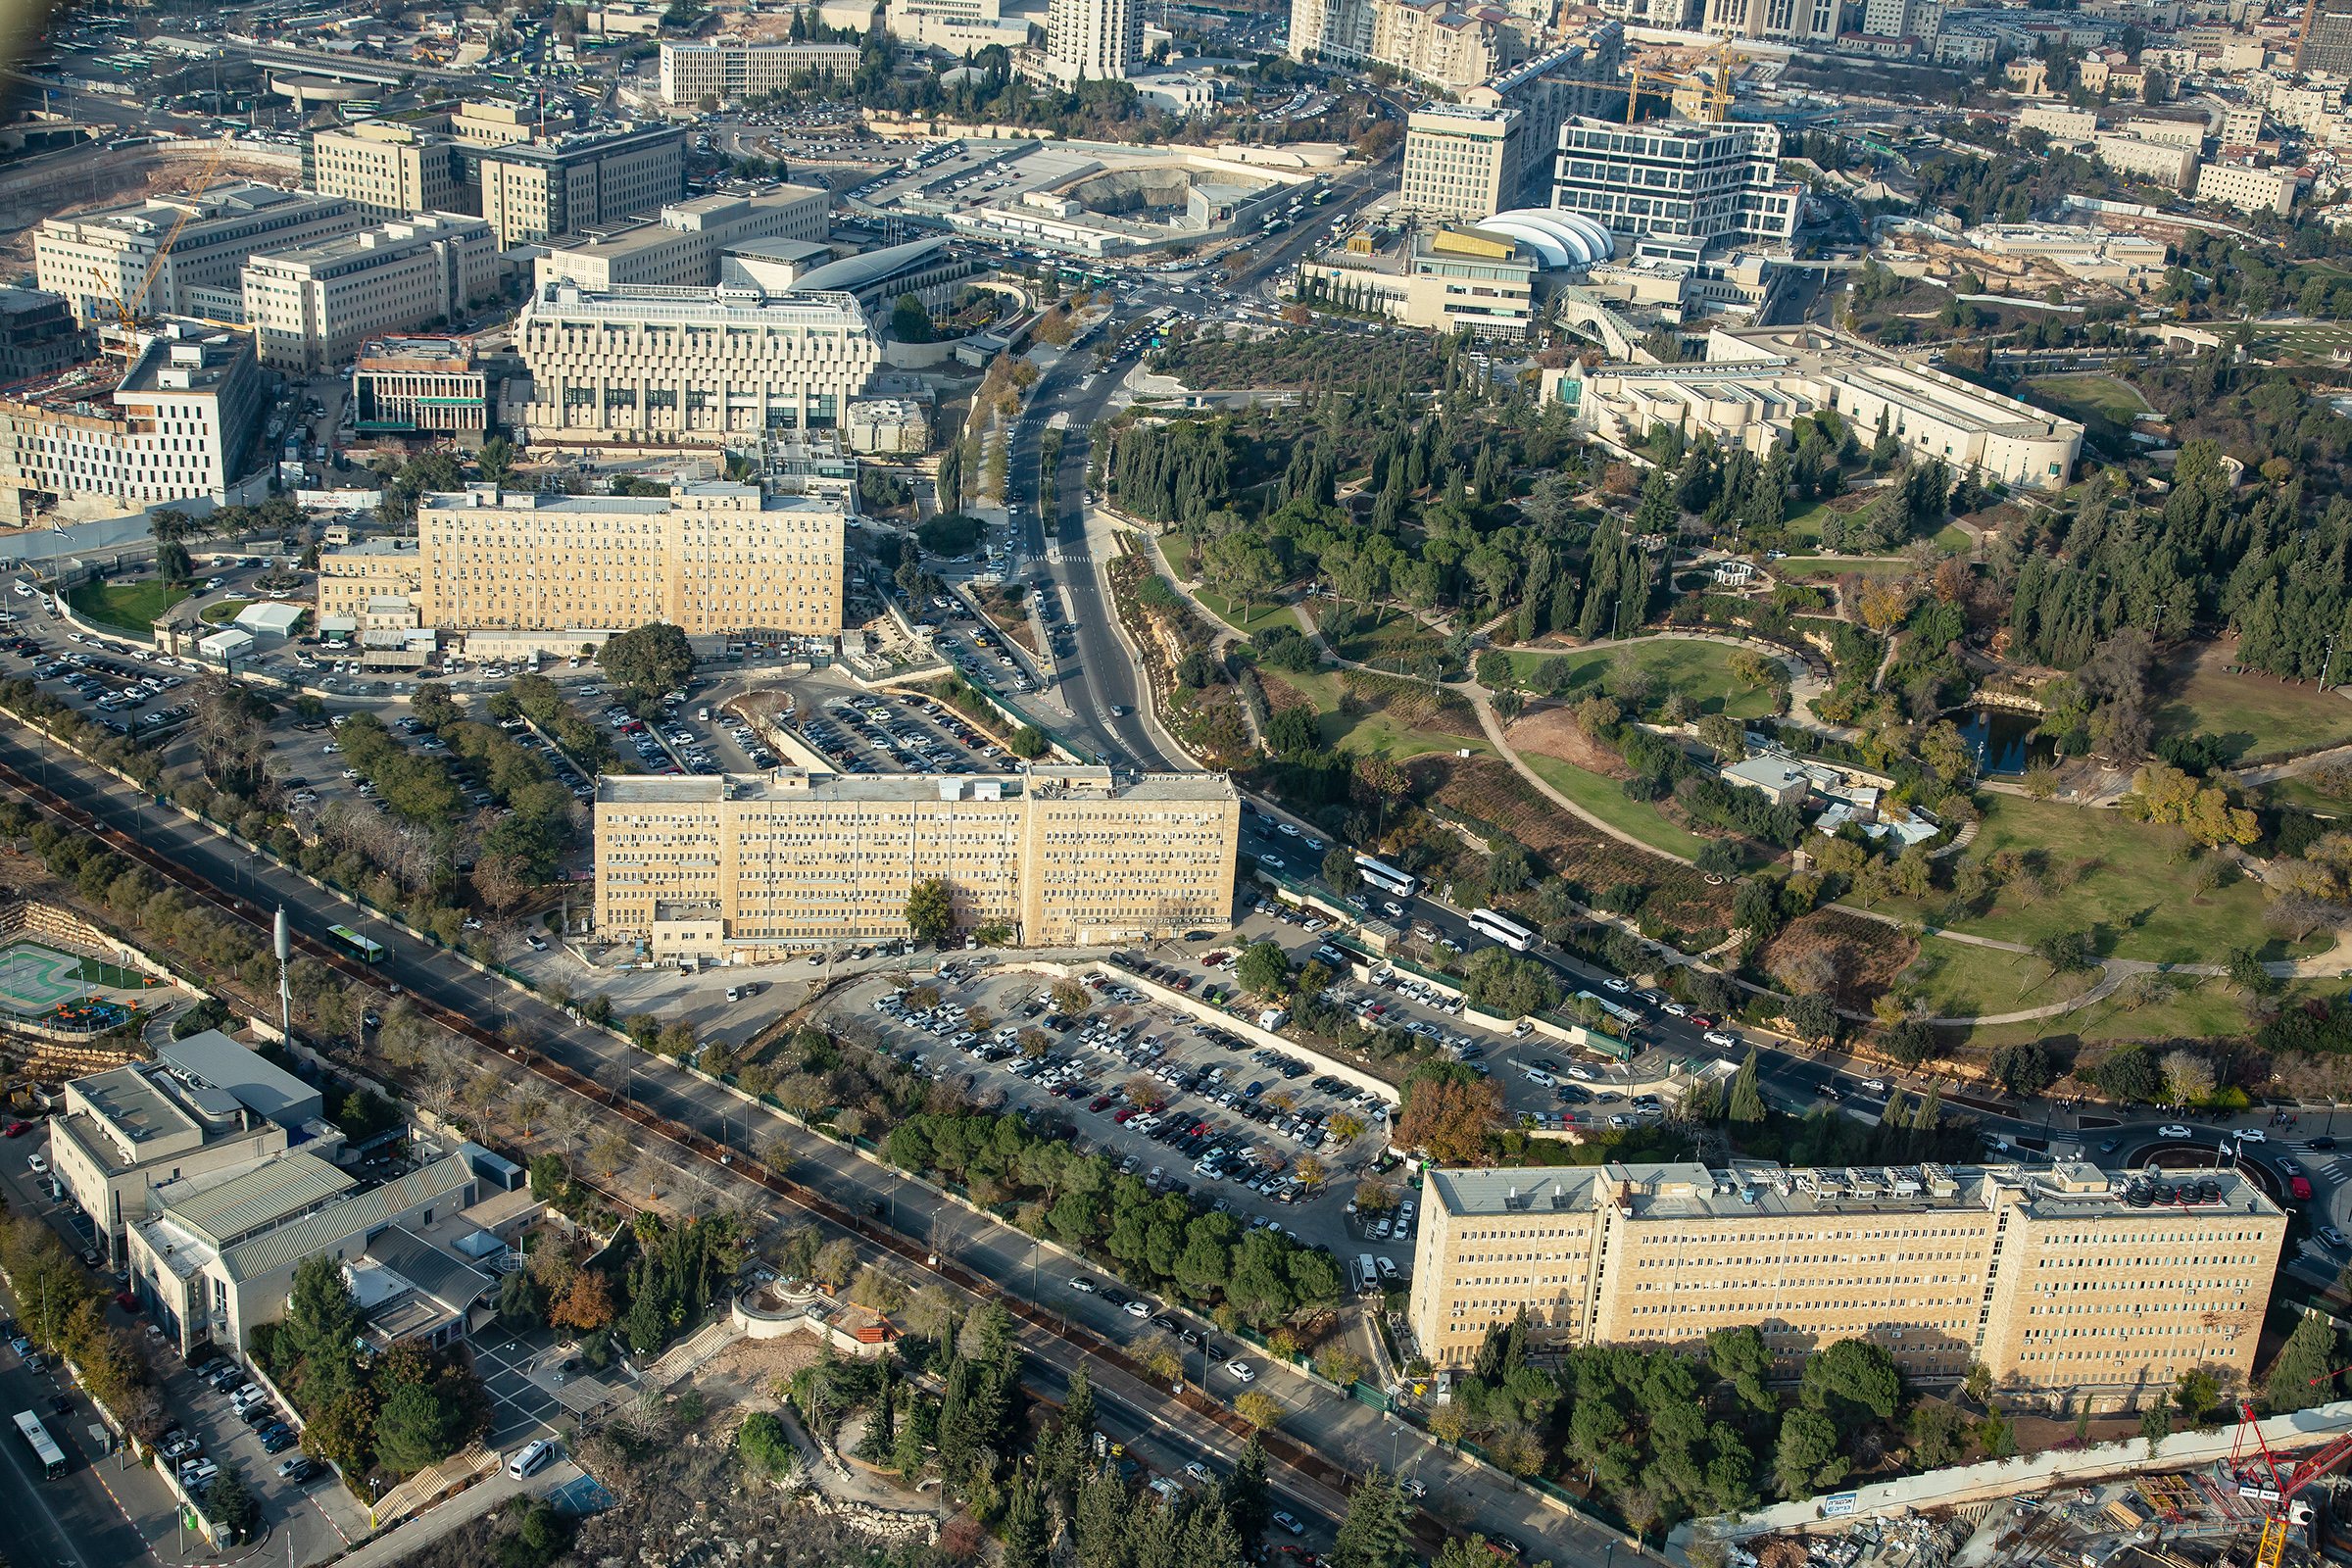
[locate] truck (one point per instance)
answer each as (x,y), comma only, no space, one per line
(1273,1018)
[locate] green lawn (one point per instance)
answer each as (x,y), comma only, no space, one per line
(1961,980)
(2253,715)
(1605,798)
(1249,619)
(1954,540)
(1372,734)
(1399,635)
(2134,903)
(216,613)
(1700,669)
(133,607)
(2299,791)
(1806,523)
(2095,400)
(2202,1007)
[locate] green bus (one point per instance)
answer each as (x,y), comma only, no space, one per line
(357,945)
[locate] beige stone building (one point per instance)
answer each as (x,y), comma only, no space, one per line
(420,383)
(1478,281)
(313,307)
(1464,162)
(2250,189)
(98,259)
(691,364)
(2158,163)
(680,249)
(352,577)
(386,168)
(2064,1280)
(1062,856)
(732,69)
(709,557)
(532,190)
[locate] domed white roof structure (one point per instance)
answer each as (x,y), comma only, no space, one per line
(1560,238)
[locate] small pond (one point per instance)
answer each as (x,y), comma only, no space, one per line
(1999,738)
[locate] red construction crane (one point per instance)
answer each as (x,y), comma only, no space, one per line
(2278,1495)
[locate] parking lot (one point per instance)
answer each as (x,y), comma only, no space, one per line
(900,733)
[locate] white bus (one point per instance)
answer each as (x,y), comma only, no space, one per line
(1503,929)
(1385,877)
(52,1457)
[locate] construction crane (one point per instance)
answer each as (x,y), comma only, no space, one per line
(2250,1457)
(130,311)
(1718,101)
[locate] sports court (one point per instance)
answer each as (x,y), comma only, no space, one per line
(36,977)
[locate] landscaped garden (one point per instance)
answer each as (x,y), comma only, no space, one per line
(131,605)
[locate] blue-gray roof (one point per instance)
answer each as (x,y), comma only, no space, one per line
(856,271)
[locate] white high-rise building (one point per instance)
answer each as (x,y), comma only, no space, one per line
(1680,188)
(1093,39)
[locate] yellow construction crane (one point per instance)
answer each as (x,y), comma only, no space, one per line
(1718,100)
(130,311)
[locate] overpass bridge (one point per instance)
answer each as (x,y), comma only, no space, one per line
(342,68)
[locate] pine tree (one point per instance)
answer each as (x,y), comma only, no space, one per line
(1930,1108)
(2301,1376)
(1245,1493)
(1025,1536)
(1373,1535)
(1746,1101)
(958,1445)
(1078,1408)
(1101,1527)
(1210,1538)
(1656,515)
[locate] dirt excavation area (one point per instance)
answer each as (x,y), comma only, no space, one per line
(1552,730)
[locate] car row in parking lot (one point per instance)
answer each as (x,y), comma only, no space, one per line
(919,736)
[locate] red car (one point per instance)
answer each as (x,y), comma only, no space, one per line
(17,1129)
(1125,1113)
(1099,1102)
(1183,982)
(126,1302)
(1699,1021)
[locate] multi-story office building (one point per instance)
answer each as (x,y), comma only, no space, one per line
(1462,161)
(2064,1280)
(419,383)
(1679,189)
(1578,77)
(680,249)
(353,576)
(39,335)
(694,365)
(711,557)
(1755,382)
(533,190)
(728,68)
(1815,21)
(1094,40)
(1437,41)
(98,259)
(1059,856)
(2326,45)
(2250,189)
(171,424)
(955,24)
(205,1104)
(2189,133)
(2060,122)
(313,307)
(2158,163)
(386,168)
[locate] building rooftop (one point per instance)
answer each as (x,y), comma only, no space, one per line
(418,353)
(257,1200)
(728,302)
(378,545)
(801,784)
(353,1216)
(153,216)
(560,150)
(369,246)
(259,1084)
(856,271)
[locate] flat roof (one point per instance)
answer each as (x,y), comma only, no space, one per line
(224,1062)
(787,784)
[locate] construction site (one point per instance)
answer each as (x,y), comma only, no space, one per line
(2262,1494)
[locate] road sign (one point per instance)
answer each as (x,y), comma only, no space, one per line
(1838,1505)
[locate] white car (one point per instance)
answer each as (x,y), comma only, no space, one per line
(1241,1370)
(1717,1037)
(2175,1130)
(1581,1073)
(1290,829)
(35,1163)
(1138,1309)
(2251,1135)
(1612,983)
(1675,1009)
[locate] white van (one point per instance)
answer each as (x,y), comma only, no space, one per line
(1364,1269)
(533,1456)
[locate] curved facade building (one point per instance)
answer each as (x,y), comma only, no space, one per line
(1561,239)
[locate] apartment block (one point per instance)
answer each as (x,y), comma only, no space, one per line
(728,68)
(2250,189)
(2324,47)
(680,248)
(1579,75)
(2062,122)
(2158,163)
(353,576)
(2065,1280)
(313,307)
(711,557)
(1678,189)
(1061,856)
(386,168)
(99,259)
(165,413)
(1462,162)
(531,191)
(2241,128)
(693,365)
(427,383)
(206,1104)
(1436,41)
(1903,18)
(39,335)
